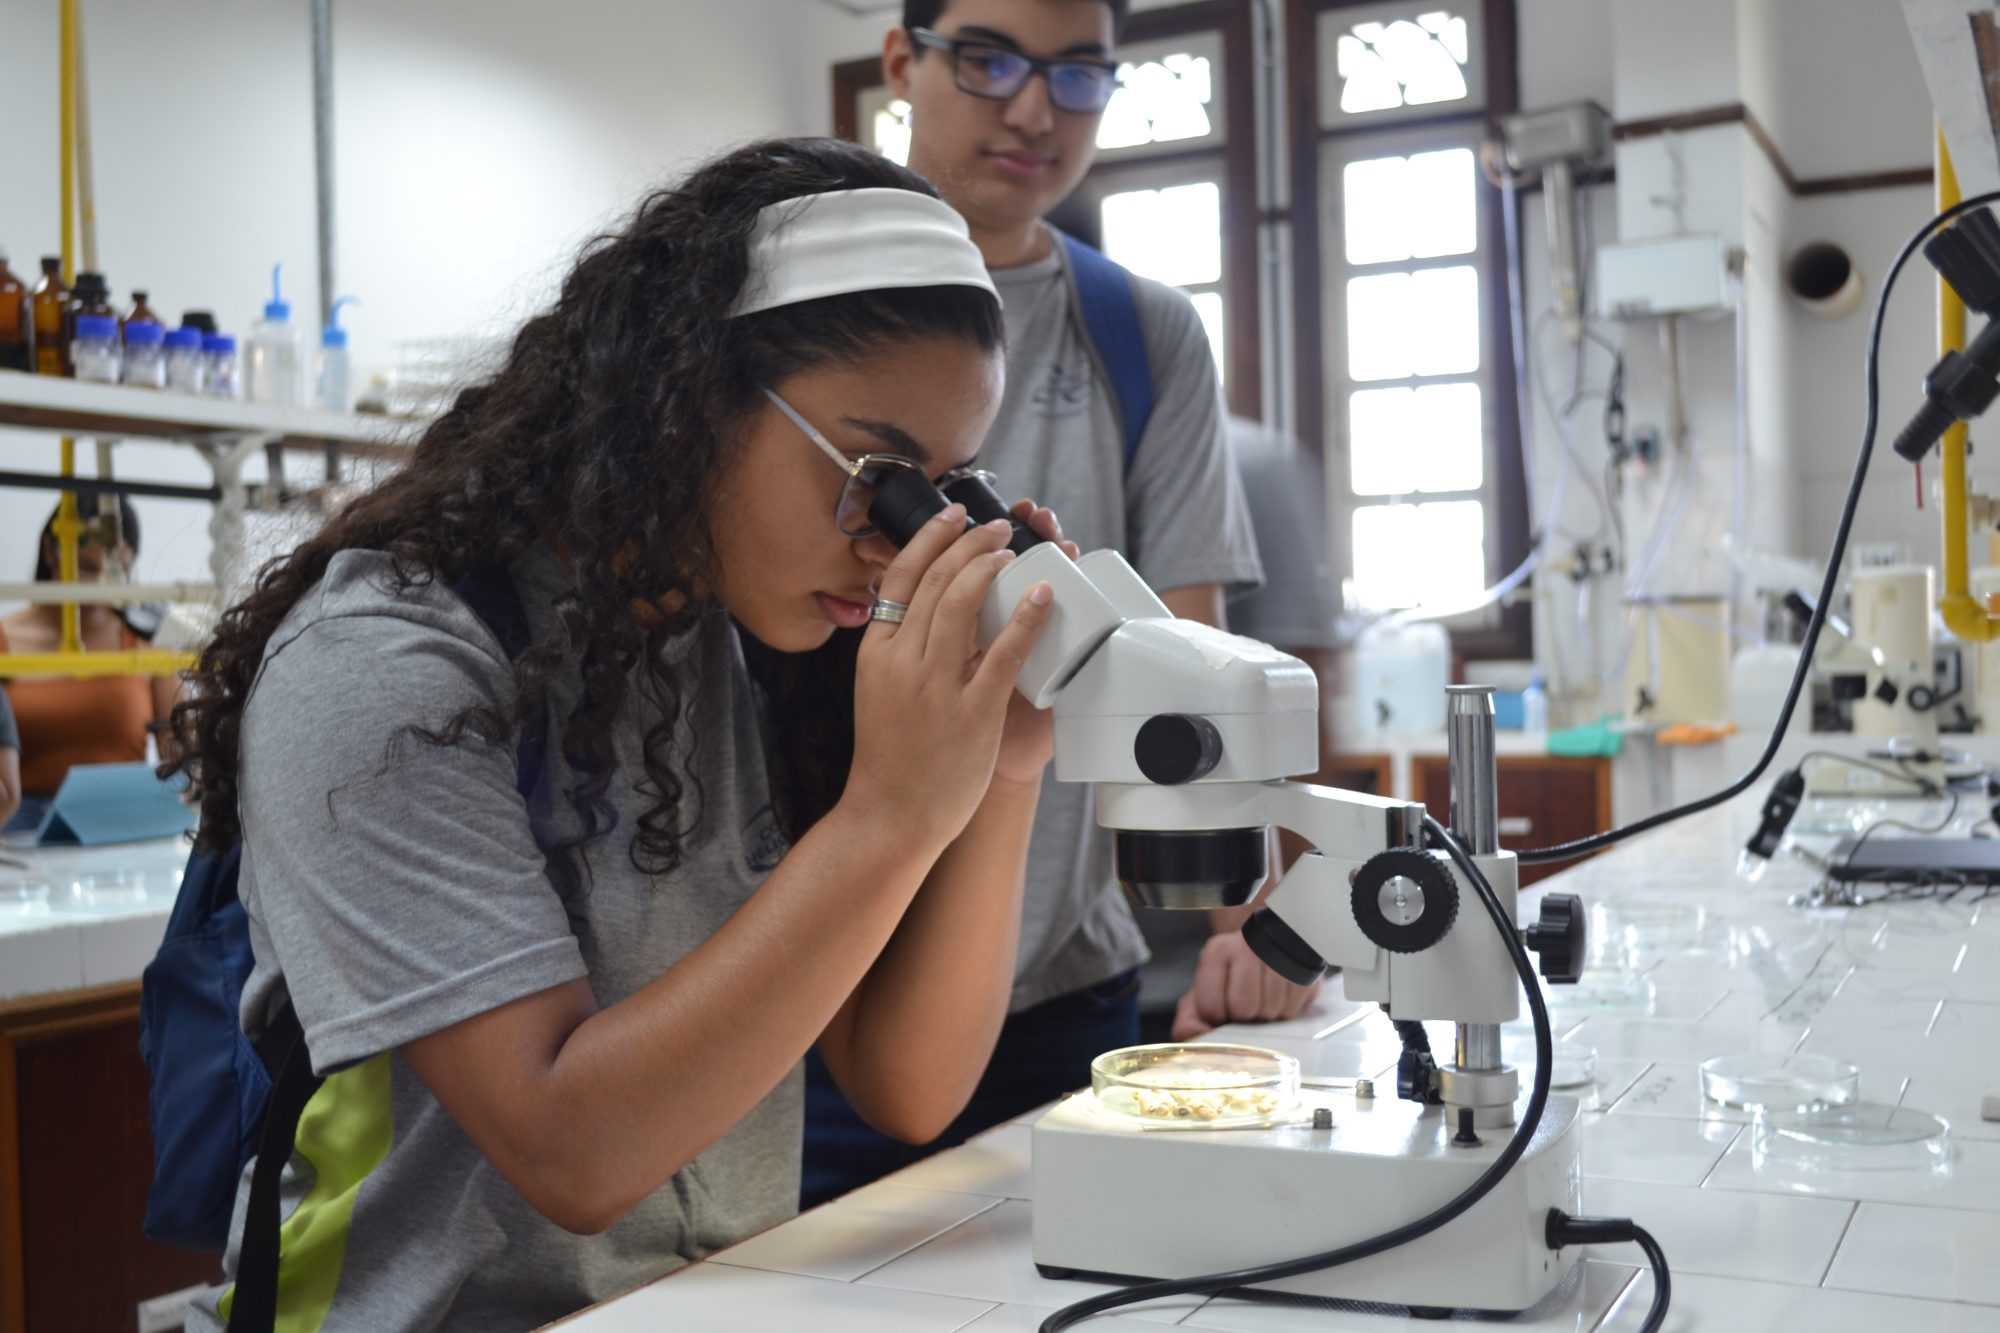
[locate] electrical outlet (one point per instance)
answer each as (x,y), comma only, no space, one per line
(163,1313)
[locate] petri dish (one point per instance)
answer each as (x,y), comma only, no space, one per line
(1574,1066)
(1196,1085)
(24,898)
(1861,1136)
(1787,1083)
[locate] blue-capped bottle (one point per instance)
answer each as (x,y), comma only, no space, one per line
(187,364)
(221,379)
(274,367)
(336,391)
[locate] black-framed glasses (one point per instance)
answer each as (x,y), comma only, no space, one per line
(866,475)
(999,73)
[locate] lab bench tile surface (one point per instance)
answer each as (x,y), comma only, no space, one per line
(1689,961)
(1577,1307)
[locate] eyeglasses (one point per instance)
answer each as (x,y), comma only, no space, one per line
(1083,87)
(866,475)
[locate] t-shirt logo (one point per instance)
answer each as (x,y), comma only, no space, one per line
(1063,392)
(764,843)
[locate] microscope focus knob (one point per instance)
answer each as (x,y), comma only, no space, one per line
(1558,937)
(1172,748)
(1404,900)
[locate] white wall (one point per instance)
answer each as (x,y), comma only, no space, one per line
(477,145)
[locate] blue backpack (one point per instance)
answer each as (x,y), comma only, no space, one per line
(1111,317)
(217,1099)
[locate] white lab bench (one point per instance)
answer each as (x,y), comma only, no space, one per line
(1711,964)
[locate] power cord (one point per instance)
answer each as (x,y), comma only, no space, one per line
(1564,1230)
(1531,1119)
(1598,841)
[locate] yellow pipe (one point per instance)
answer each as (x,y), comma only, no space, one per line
(66,90)
(1963,614)
(68,529)
(78,666)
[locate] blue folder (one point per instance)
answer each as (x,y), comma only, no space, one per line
(106,803)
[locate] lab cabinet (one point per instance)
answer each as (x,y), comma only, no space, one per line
(1544,799)
(75,1159)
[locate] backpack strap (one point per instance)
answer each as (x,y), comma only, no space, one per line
(253,1304)
(494,599)
(1111,317)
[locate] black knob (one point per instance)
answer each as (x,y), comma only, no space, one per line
(1282,949)
(1967,255)
(1173,748)
(1404,901)
(1558,937)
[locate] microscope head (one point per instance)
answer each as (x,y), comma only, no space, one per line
(1181,727)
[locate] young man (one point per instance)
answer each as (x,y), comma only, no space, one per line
(1006,96)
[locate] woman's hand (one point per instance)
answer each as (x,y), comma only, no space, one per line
(1028,740)
(929,707)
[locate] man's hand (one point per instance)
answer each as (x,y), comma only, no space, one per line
(1231,985)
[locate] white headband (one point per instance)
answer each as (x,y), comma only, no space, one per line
(857,241)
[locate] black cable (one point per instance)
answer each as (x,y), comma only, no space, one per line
(1531,1118)
(1566,851)
(1939,827)
(1561,1229)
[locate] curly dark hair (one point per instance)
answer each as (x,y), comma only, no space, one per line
(607,426)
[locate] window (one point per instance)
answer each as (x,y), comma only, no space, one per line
(1408,282)
(1384,62)
(1172,194)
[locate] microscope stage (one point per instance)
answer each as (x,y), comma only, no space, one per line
(1114,1195)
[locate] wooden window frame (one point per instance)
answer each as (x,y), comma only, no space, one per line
(1241,288)
(1512,635)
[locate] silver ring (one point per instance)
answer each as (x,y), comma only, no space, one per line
(887,611)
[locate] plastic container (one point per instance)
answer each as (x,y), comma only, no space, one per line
(336,390)
(1534,707)
(1400,672)
(1780,1083)
(1863,1136)
(186,366)
(1196,1085)
(218,354)
(274,366)
(145,354)
(93,348)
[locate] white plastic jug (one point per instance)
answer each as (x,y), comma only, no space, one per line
(1400,672)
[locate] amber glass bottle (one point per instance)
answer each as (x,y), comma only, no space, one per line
(15,340)
(49,304)
(140,310)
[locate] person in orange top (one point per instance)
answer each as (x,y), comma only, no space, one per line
(103,720)
(10,762)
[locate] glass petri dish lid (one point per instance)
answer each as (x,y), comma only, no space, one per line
(24,897)
(1196,1085)
(1799,1083)
(1861,1136)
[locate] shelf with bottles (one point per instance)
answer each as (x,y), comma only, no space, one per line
(79,408)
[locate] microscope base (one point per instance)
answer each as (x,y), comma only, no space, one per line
(1113,1197)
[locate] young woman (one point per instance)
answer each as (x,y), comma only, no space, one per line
(563,1036)
(100,720)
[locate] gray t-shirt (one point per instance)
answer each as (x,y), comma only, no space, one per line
(397,887)
(1177,514)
